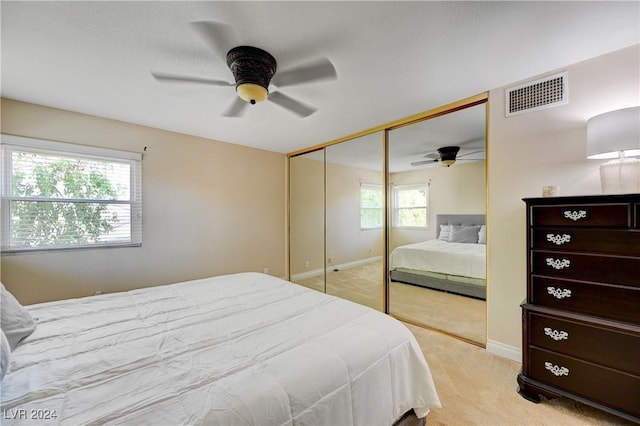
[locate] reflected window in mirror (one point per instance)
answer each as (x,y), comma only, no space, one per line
(371,206)
(411,206)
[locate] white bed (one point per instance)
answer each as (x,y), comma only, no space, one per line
(442,264)
(461,259)
(239,349)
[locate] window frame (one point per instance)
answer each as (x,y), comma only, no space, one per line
(10,144)
(377,187)
(396,208)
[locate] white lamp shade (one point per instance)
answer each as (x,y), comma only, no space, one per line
(612,132)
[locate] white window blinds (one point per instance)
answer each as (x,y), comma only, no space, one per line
(60,196)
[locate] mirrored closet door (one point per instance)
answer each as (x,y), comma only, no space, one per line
(437,195)
(306,220)
(354,220)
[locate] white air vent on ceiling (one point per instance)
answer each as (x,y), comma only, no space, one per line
(539,94)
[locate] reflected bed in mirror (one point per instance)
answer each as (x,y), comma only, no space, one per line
(444,289)
(454,262)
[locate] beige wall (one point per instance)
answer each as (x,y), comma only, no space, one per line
(459,189)
(209,208)
(541,148)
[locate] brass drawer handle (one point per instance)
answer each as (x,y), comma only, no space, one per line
(575,215)
(555,334)
(559,239)
(559,293)
(556,370)
(558,263)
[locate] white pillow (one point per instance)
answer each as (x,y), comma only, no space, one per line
(445,232)
(5,353)
(482,235)
(15,320)
(464,234)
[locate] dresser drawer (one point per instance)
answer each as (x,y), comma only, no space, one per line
(608,301)
(610,215)
(591,342)
(587,267)
(608,241)
(606,386)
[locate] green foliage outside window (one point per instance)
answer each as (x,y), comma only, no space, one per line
(411,207)
(54,200)
(370,206)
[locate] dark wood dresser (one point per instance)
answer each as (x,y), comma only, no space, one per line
(581,318)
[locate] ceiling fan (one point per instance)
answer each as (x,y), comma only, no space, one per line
(447,155)
(253,70)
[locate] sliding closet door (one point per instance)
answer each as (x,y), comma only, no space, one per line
(422,189)
(354,220)
(306,220)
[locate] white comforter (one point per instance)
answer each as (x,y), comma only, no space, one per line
(239,349)
(466,260)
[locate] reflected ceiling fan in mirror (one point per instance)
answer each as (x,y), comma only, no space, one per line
(447,155)
(253,70)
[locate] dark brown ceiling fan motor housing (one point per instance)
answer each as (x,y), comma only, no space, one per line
(448,154)
(251,65)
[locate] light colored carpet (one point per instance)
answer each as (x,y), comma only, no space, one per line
(361,284)
(457,315)
(478,388)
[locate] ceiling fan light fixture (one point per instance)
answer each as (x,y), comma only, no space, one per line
(252,69)
(448,163)
(252,93)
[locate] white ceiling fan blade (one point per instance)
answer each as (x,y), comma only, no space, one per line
(236,109)
(291,104)
(176,78)
(420,163)
(319,70)
(219,37)
(469,153)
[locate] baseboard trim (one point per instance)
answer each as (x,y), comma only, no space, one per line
(308,274)
(504,351)
(356,263)
(347,265)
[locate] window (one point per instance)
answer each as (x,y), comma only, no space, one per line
(59,196)
(370,206)
(411,206)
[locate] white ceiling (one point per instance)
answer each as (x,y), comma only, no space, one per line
(393,59)
(414,143)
